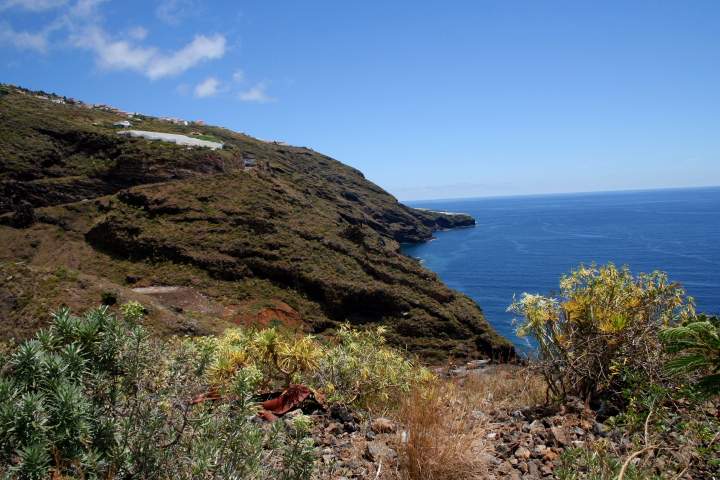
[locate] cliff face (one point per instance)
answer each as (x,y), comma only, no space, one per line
(299,238)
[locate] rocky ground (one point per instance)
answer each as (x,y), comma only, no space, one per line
(524,443)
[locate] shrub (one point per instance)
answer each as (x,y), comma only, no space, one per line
(96,397)
(696,346)
(278,355)
(108,298)
(604,322)
(362,370)
(358,368)
(597,463)
(133,311)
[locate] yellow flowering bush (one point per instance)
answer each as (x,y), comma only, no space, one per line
(363,370)
(279,355)
(357,368)
(604,321)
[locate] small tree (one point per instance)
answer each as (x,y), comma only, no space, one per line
(605,321)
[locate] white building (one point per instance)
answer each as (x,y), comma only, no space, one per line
(173,138)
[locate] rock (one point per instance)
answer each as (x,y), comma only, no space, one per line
(460,372)
(334,428)
(383,425)
(488,459)
(369,435)
(491,436)
(505,467)
(293,413)
(377,450)
(477,415)
(475,364)
(522,453)
(559,435)
(539,450)
(534,469)
(546,470)
(342,413)
(600,429)
(550,455)
(574,405)
(534,426)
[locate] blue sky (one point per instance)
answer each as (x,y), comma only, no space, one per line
(429,99)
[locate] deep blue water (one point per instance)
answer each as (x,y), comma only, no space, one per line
(524,244)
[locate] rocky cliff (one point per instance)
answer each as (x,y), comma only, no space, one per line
(256,232)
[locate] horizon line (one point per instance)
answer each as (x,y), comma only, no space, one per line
(552,194)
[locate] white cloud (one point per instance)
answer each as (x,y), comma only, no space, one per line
(200,49)
(238,76)
(85,8)
(113,55)
(173,12)
(32,5)
(23,40)
(124,55)
(256,94)
(81,22)
(138,33)
(207,88)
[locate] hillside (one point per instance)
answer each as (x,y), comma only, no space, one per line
(253,233)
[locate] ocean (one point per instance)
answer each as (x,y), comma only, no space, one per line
(525,243)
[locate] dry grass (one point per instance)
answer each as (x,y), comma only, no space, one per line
(506,387)
(439,438)
(445,431)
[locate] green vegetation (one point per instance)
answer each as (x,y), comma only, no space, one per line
(598,464)
(209,138)
(302,230)
(697,348)
(356,368)
(97,397)
(605,322)
(634,349)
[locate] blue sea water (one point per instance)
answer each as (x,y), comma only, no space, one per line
(524,244)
